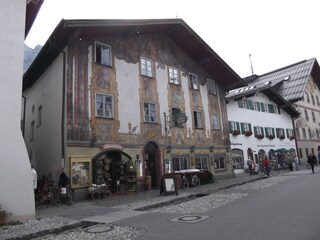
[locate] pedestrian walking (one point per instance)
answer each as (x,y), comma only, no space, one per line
(34,178)
(312,161)
(64,182)
(266,165)
(250,166)
(296,162)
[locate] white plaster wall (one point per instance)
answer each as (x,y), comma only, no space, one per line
(128,88)
(261,119)
(46,146)
(16,187)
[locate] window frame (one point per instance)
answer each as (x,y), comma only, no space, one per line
(197,119)
(212,87)
(39,116)
(183,161)
(104,104)
(150,111)
(174,75)
(147,70)
(218,159)
(215,121)
(108,64)
(203,160)
(193,81)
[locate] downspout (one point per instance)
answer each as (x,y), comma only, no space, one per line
(295,138)
(63,144)
(23,124)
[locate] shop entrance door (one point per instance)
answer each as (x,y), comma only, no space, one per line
(151,152)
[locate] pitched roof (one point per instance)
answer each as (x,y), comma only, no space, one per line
(283,86)
(267,90)
(175,29)
(33,7)
(290,82)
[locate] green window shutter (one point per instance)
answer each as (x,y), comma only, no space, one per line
(277,132)
(266,131)
(240,104)
(270,108)
(242,127)
(279,110)
(287,131)
(230,127)
(255,131)
(248,103)
(258,106)
(272,131)
(238,126)
(262,107)
(251,105)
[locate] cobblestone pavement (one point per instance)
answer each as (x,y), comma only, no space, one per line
(211,197)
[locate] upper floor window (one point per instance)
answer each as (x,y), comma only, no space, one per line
(197,119)
(193,80)
(245,128)
(174,76)
(317,99)
(146,67)
(312,98)
(280,133)
(103,54)
(306,114)
(318,133)
(39,116)
(212,87)
(310,133)
(215,121)
(150,115)
(290,133)
(313,116)
(258,132)
(297,133)
(104,105)
(304,134)
(307,97)
(269,132)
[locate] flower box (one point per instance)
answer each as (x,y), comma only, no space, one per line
(281,137)
(271,137)
(248,133)
(259,136)
(235,132)
(292,138)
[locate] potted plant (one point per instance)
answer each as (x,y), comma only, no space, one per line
(271,136)
(248,133)
(235,132)
(282,137)
(292,137)
(259,136)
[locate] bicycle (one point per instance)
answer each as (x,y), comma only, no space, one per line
(62,196)
(194,181)
(273,170)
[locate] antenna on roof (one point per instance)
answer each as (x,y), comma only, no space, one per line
(251,63)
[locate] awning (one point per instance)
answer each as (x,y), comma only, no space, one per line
(281,150)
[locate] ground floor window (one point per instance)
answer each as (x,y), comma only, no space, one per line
(202,162)
(180,163)
(219,162)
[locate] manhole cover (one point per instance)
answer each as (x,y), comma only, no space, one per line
(189,218)
(99,229)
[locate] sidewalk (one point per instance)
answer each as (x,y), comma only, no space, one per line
(55,220)
(83,210)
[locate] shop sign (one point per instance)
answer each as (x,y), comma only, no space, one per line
(111,146)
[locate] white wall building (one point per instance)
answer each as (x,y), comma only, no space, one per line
(259,126)
(17,195)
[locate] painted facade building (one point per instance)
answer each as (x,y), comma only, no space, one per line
(16,187)
(106,96)
(260,124)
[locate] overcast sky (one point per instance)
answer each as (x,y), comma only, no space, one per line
(276,33)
